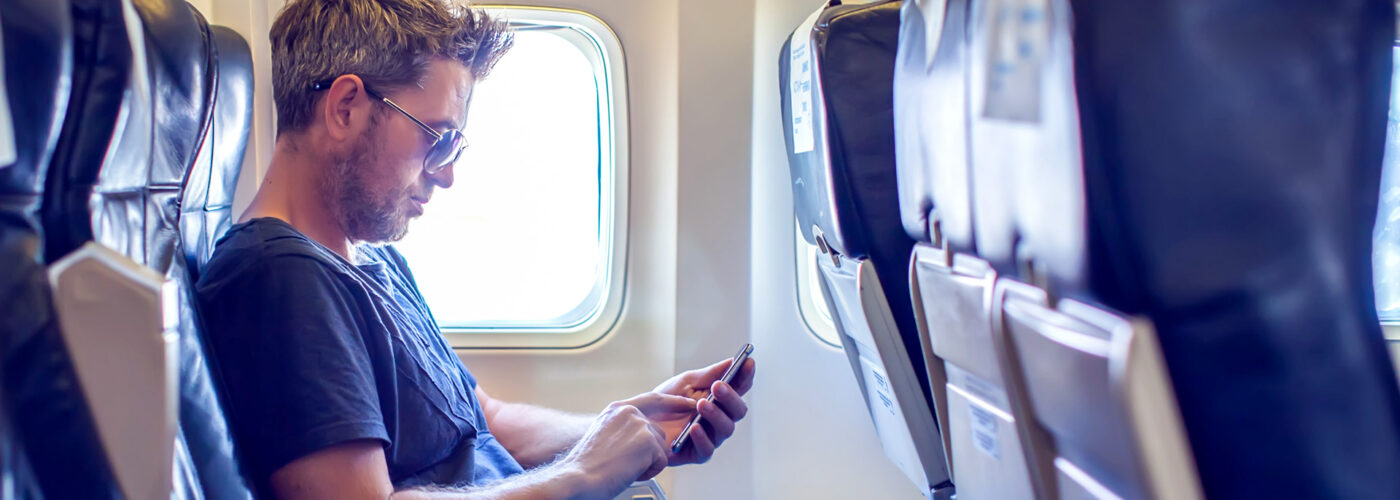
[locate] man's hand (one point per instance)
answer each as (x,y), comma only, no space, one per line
(620,447)
(717,418)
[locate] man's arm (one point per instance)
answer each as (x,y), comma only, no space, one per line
(357,470)
(534,435)
(619,447)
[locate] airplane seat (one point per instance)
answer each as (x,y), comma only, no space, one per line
(150,124)
(1086,384)
(950,286)
(206,212)
(54,448)
(1196,278)
(835,86)
(207,201)
(202,109)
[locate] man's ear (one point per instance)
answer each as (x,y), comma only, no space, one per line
(347,108)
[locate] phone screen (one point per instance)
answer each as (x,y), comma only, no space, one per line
(729,374)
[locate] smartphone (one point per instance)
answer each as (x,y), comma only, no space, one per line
(728,377)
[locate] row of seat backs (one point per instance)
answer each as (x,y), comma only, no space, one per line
(1212,167)
(144,159)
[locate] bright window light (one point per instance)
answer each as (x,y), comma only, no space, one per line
(1386,251)
(524,241)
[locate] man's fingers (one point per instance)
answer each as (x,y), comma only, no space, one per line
(704,446)
(718,422)
(714,371)
(744,379)
(729,400)
(656,403)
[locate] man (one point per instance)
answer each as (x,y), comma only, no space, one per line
(339,384)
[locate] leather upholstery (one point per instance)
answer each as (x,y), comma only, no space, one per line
(186,69)
(104,112)
(847,179)
(147,115)
(16,480)
(1231,158)
(207,204)
(206,213)
(42,39)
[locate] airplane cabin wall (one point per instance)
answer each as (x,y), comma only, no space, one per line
(710,256)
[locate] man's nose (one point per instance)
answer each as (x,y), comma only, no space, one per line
(443,178)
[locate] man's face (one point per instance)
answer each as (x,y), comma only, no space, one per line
(377,186)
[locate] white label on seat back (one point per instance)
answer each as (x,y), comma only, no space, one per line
(984,431)
(1019,34)
(801,67)
(889,422)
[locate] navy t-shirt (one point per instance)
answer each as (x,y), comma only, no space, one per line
(315,351)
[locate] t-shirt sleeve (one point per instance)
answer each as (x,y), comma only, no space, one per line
(291,345)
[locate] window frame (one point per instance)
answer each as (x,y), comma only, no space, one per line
(602,47)
(811,304)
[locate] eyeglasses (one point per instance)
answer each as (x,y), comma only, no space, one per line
(447,146)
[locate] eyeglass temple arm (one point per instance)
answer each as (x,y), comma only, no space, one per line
(436,136)
(426,128)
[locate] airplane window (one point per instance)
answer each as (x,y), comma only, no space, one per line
(528,240)
(810,302)
(1386,256)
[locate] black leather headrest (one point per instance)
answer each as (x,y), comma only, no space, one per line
(207,202)
(39,66)
(841,151)
(109,106)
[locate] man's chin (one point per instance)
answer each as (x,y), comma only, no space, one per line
(384,234)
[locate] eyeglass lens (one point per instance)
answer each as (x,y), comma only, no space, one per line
(444,152)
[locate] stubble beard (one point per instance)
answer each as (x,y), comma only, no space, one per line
(348,190)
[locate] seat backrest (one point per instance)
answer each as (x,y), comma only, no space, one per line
(206,213)
(42,396)
(198,143)
(110,108)
(835,75)
(1215,205)
(125,173)
(931,122)
(206,207)
(1024,122)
